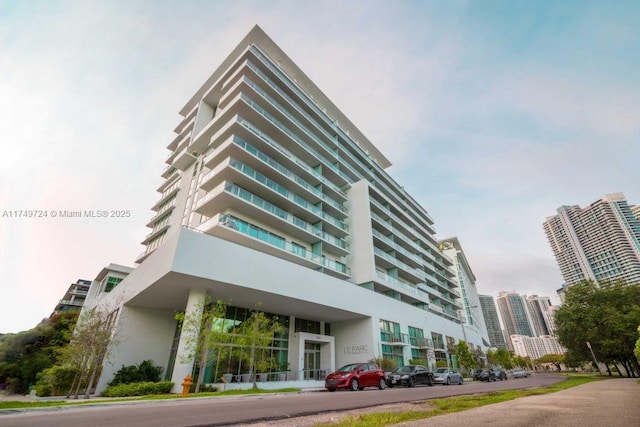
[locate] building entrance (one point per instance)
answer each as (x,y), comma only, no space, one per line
(312,365)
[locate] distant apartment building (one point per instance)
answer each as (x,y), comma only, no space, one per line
(471,315)
(74,297)
(599,242)
(271,194)
(536,347)
(636,211)
(106,281)
(537,307)
(492,322)
(514,315)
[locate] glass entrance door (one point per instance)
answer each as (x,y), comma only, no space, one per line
(312,361)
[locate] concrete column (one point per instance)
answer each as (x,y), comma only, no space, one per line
(183,366)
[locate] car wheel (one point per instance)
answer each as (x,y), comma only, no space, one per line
(353,385)
(382,384)
(332,389)
(448,380)
(430,382)
(461,381)
(412,382)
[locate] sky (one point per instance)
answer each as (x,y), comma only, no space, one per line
(493,114)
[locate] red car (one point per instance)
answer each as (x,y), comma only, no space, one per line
(356,376)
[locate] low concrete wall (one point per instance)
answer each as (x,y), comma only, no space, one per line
(270,385)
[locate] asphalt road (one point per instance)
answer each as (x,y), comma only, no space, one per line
(235,410)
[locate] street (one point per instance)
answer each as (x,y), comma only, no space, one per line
(226,411)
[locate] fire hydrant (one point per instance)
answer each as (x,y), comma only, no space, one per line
(186,385)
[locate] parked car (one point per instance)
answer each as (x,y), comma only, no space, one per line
(520,373)
(476,374)
(410,376)
(447,376)
(500,374)
(487,375)
(356,376)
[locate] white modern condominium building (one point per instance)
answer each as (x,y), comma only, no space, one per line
(599,242)
(471,316)
(272,195)
(536,347)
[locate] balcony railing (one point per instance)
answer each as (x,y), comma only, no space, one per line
(286,172)
(257,176)
(253,231)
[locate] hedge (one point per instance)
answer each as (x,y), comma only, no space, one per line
(138,389)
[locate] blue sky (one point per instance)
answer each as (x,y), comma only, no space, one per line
(493,113)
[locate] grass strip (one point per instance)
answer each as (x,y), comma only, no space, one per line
(451,405)
(12,404)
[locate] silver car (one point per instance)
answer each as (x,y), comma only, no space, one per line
(447,376)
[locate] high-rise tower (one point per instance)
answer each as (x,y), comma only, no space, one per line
(600,242)
(490,313)
(271,194)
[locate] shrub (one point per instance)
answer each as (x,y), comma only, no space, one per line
(385,364)
(138,389)
(144,372)
(55,381)
(42,390)
(204,388)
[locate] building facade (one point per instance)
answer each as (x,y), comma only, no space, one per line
(537,307)
(491,320)
(271,195)
(536,347)
(74,297)
(514,315)
(471,317)
(600,242)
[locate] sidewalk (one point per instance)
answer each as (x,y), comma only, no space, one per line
(596,404)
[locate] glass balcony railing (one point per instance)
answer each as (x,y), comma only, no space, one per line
(269,117)
(264,59)
(286,172)
(281,213)
(277,241)
(268,140)
(394,337)
(403,287)
(397,262)
(305,130)
(397,247)
(257,176)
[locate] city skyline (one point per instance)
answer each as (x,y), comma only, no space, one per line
(489,123)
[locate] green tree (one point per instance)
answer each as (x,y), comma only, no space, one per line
(607,317)
(23,356)
(502,358)
(209,341)
(256,334)
(93,339)
(465,357)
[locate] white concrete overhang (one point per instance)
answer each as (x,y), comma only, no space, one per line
(243,276)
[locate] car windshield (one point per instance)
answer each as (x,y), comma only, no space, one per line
(405,369)
(348,368)
(441,370)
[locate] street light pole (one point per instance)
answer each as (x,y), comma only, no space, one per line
(594,357)
(464,333)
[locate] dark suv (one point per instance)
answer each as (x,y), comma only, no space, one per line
(487,375)
(500,374)
(477,373)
